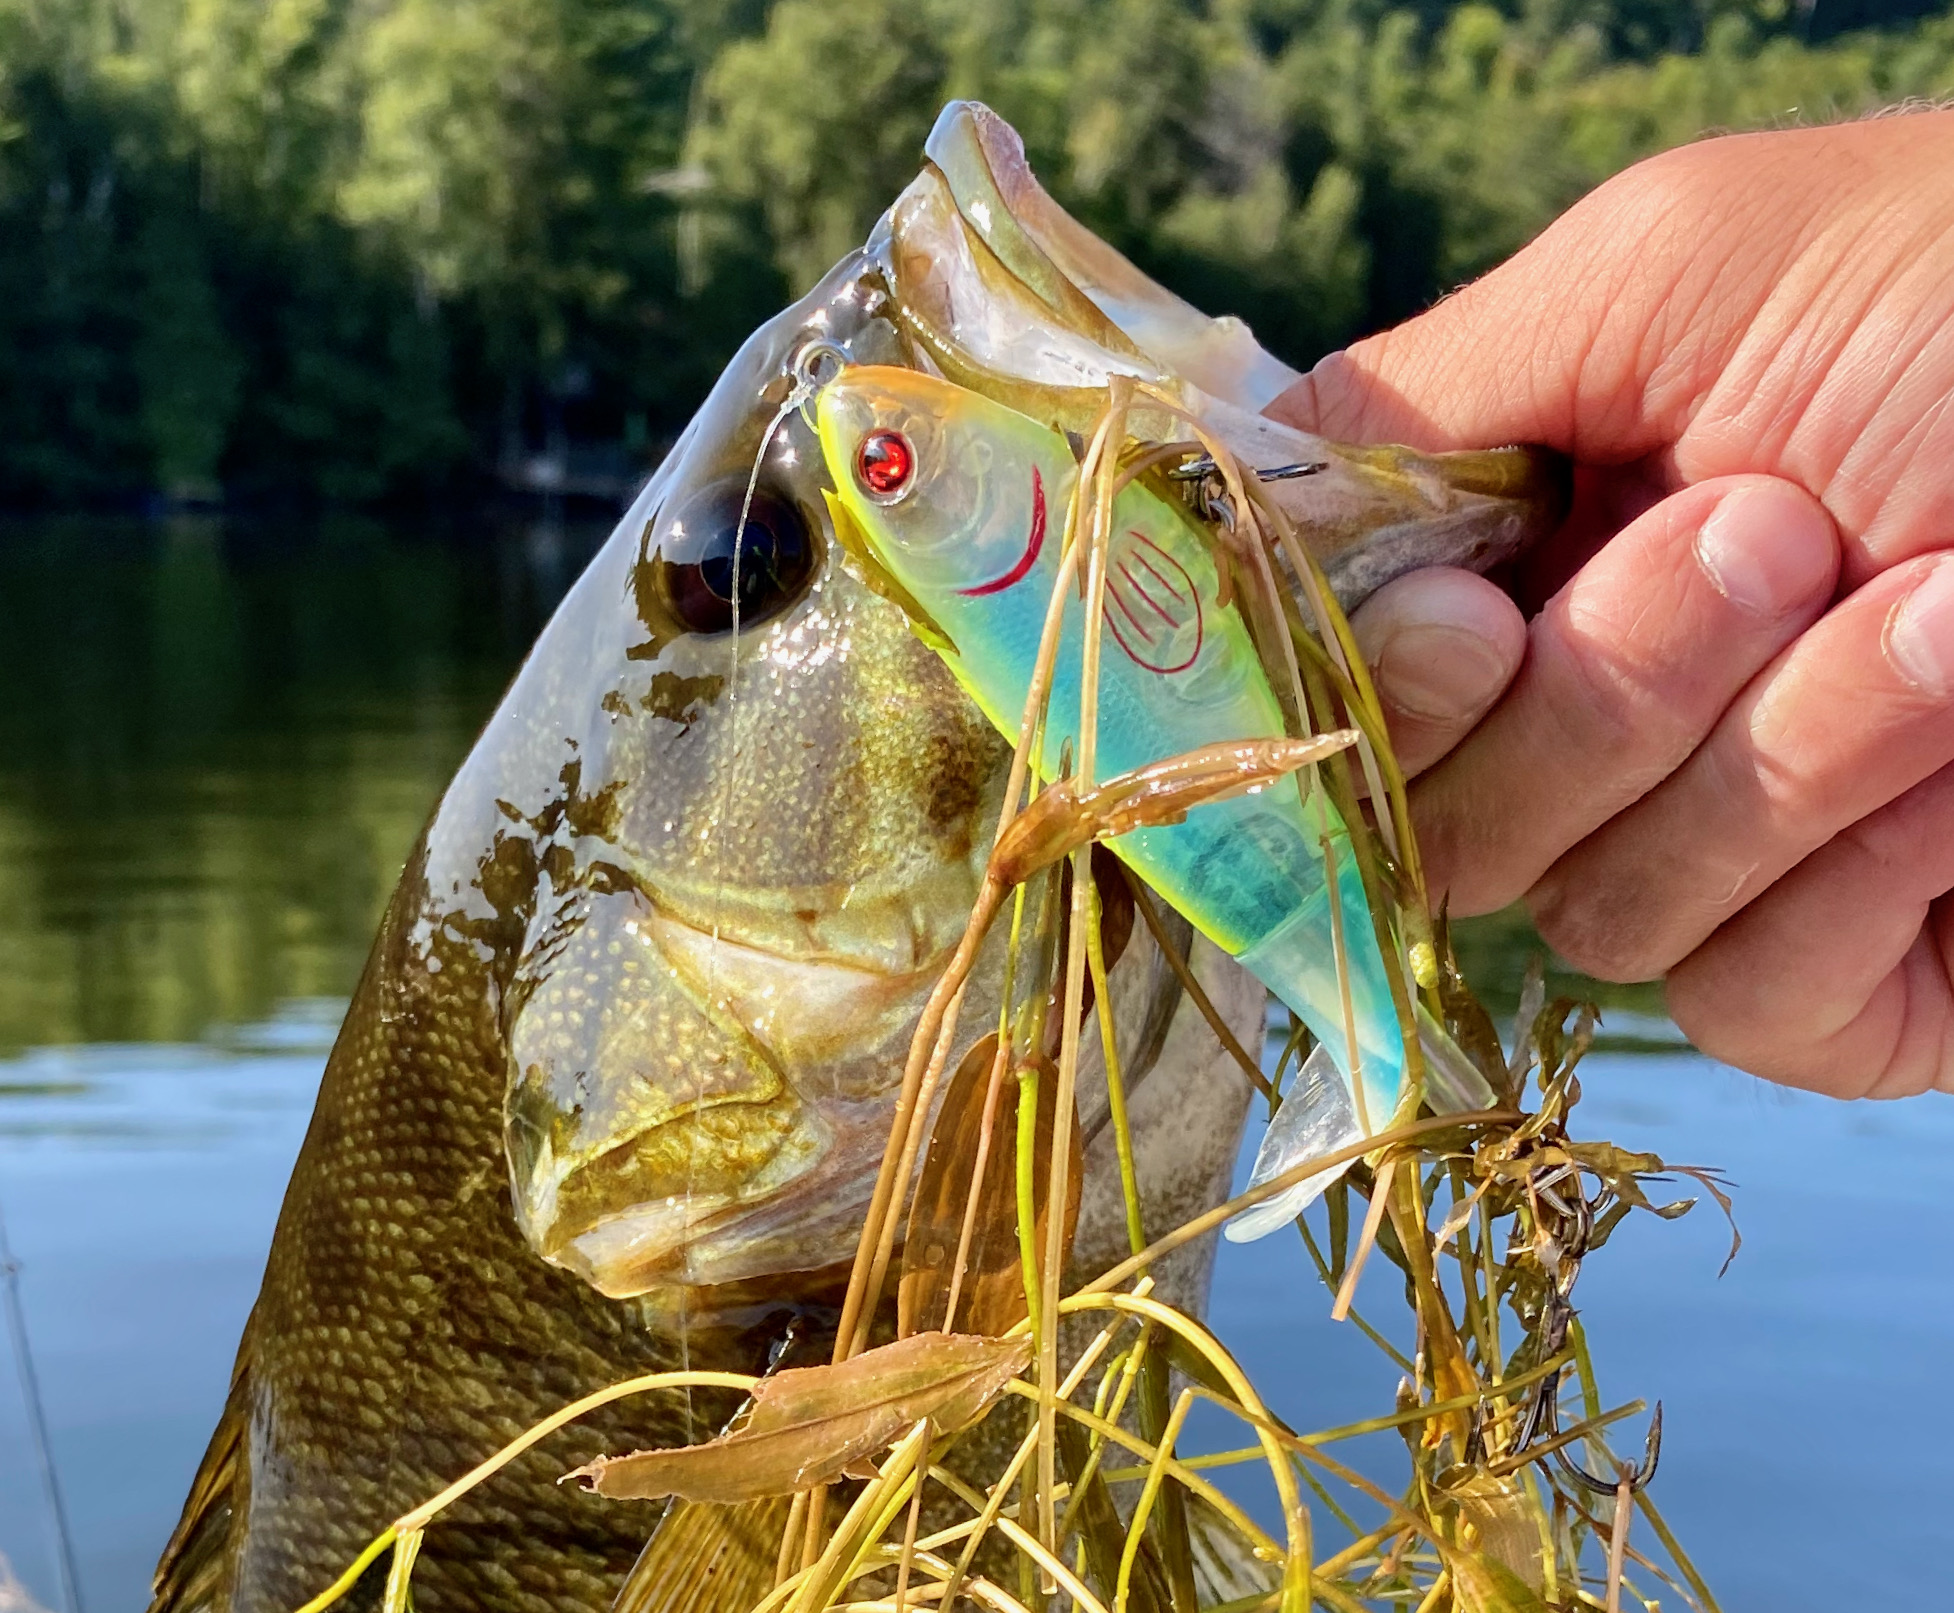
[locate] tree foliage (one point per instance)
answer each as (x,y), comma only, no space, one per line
(360,249)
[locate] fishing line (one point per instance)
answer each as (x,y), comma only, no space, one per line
(797,395)
(37,1433)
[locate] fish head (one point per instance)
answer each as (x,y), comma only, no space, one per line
(721,839)
(724,832)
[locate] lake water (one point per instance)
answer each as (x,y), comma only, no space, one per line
(215,747)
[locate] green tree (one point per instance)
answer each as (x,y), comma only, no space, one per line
(314,250)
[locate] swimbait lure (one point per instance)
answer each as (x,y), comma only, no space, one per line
(962,500)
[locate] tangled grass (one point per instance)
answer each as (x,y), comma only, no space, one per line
(1502,1504)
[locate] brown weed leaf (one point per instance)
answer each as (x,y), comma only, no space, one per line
(1466,1018)
(991,1298)
(1061,818)
(810,1425)
(1625,1172)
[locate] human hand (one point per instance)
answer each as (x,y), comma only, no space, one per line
(1729,753)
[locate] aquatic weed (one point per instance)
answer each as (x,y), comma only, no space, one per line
(1506,1504)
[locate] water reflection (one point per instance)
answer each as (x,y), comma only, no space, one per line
(217,742)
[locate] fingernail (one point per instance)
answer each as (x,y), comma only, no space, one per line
(1920,632)
(1440,673)
(1768,549)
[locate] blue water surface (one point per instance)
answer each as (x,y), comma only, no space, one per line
(140,1184)
(1805,1463)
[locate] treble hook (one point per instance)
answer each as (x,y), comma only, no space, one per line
(1580,1212)
(1199,466)
(1636,1478)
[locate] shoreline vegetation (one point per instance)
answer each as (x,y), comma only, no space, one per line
(312,253)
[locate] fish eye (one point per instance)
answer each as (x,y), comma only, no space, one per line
(706,559)
(884,464)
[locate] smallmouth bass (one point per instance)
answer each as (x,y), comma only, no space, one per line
(611,1093)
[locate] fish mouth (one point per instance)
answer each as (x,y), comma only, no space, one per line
(1005,293)
(719,1118)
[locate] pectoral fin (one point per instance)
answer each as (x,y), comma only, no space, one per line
(707,1557)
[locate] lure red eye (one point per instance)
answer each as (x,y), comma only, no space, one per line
(885,462)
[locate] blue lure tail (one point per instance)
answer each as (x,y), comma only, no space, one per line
(1298,961)
(1319,1116)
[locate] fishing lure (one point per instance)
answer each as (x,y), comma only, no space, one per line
(961,501)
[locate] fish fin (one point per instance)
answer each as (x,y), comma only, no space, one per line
(191,1574)
(1453,1083)
(1316,1118)
(1226,1568)
(707,1557)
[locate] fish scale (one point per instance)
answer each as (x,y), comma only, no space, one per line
(380,1346)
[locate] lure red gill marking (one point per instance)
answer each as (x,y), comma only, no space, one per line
(1029,558)
(1115,598)
(1170,577)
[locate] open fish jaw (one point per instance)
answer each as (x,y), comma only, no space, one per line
(1004,292)
(982,163)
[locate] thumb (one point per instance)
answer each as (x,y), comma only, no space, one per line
(1442,646)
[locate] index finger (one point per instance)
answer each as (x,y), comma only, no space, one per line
(1779,304)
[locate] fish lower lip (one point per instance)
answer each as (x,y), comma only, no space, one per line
(807,1223)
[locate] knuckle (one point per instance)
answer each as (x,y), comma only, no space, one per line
(1875,1047)
(1593,934)
(1675,189)
(1606,703)
(1703,1017)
